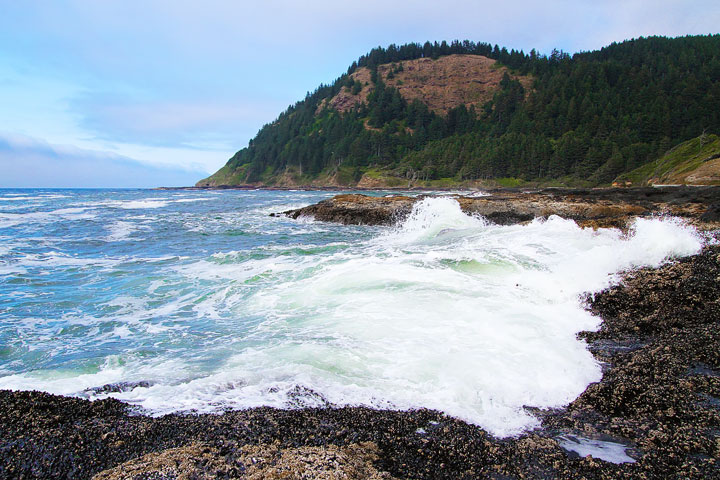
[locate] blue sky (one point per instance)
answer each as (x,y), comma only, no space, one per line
(149,93)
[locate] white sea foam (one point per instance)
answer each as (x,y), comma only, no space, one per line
(478,193)
(115,369)
(43,217)
(191,200)
(5,248)
(120,231)
(59,259)
(9,269)
(445,311)
(16,199)
(604,450)
(147,203)
(139,204)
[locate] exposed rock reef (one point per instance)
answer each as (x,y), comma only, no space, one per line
(611,207)
(658,402)
(357,209)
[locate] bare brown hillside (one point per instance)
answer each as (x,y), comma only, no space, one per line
(441,84)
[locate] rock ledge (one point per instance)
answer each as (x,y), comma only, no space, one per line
(591,207)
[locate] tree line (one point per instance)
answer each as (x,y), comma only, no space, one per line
(589,116)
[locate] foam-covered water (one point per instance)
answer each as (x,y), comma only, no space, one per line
(218,305)
(613,452)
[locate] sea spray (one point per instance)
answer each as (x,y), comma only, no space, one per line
(220,306)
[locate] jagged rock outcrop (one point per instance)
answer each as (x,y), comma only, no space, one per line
(589,207)
(356,209)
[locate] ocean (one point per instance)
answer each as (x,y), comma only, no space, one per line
(200,301)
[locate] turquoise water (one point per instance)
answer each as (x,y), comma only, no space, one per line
(91,274)
(215,305)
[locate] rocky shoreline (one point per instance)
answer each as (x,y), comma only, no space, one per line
(656,410)
(657,407)
(606,207)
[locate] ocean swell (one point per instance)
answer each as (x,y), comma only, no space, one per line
(445,311)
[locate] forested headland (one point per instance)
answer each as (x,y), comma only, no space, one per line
(461,112)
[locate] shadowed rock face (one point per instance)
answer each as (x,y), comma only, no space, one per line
(354,209)
(660,395)
(594,208)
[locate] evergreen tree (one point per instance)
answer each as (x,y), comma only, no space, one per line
(592,115)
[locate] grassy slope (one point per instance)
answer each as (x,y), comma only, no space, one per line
(696,161)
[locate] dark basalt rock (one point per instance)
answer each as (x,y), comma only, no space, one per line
(118,387)
(660,394)
(712,214)
(355,209)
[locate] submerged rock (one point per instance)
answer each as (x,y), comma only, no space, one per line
(118,387)
(712,214)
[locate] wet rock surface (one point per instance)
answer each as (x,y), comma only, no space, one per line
(357,209)
(661,338)
(659,396)
(117,387)
(607,207)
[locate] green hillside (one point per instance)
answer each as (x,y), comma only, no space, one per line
(695,162)
(464,112)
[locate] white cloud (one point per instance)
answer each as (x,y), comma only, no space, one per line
(191,123)
(625,19)
(178,158)
(30,162)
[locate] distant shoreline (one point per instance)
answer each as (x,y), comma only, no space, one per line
(315,189)
(432,189)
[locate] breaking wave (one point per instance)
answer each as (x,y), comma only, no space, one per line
(221,306)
